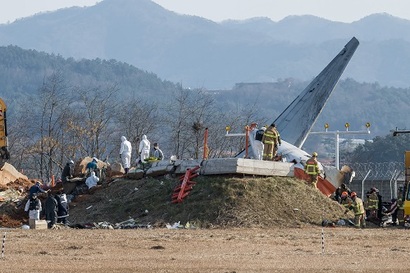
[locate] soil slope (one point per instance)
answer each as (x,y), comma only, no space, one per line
(213,202)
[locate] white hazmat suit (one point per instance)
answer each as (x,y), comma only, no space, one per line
(125,152)
(257,145)
(92,180)
(144,148)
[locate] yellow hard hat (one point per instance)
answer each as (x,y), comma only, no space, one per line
(314,154)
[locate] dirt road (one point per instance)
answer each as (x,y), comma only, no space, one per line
(211,250)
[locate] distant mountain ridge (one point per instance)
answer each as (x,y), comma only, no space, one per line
(197,52)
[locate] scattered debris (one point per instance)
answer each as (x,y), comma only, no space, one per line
(157,247)
(177,225)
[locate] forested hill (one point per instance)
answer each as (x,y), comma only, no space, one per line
(62,108)
(22,72)
(201,53)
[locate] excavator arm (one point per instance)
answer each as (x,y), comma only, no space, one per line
(4,153)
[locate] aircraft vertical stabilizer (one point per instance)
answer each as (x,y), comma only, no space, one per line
(296,121)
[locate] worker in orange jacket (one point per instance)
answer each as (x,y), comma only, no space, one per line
(372,204)
(345,200)
(312,169)
(358,209)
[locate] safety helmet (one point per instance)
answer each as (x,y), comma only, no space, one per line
(373,189)
(314,154)
(344,194)
(95,159)
(70,162)
(353,194)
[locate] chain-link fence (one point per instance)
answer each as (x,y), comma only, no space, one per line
(378,170)
(388,177)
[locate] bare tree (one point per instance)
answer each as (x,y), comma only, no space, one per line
(91,120)
(192,112)
(53,95)
(135,118)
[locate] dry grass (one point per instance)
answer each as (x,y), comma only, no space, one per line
(213,202)
(207,250)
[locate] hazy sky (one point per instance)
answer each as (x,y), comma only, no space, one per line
(218,10)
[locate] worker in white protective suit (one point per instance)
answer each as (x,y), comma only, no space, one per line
(125,153)
(256,135)
(144,148)
(92,180)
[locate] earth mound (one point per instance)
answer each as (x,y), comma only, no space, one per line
(213,202)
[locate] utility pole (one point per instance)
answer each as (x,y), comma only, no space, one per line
(337,140)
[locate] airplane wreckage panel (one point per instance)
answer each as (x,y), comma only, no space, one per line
(296,121)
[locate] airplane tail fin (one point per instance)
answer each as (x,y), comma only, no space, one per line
(296,121)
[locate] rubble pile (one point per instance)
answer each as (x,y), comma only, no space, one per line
(9,174)
(13,188)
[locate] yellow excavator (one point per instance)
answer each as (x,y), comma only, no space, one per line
(4,152)
(406,189)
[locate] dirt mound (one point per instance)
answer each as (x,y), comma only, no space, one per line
(13,197)
(213,202)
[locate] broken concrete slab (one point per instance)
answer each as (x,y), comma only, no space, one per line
(216,166)
(246,166)
(159,169)
(183,165)
(135,174)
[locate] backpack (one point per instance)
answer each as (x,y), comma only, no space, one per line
(259,134)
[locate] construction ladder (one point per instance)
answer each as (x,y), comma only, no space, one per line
(181,191)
